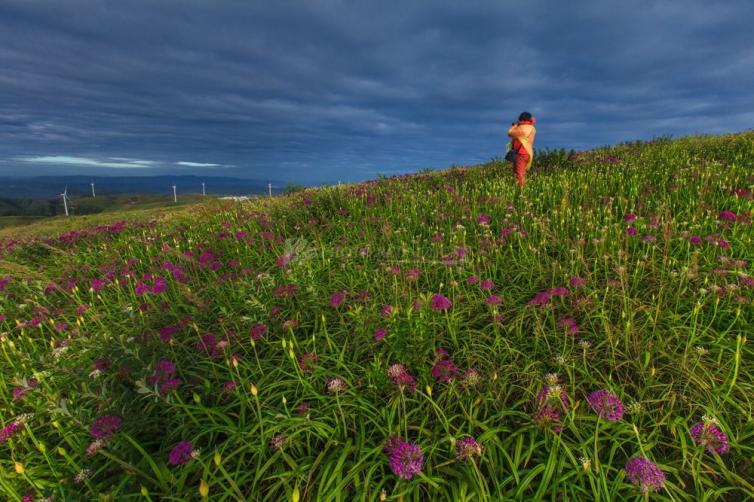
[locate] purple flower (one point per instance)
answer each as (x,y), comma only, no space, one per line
(483,219)
(181,453)
(541,298)
(548,417)
(387,310)
(709,435)
(257,331)
(554,395)
(380,333)
(401,377)
(336,299)
(606,404)
(440,303)
(10,430)
(631,231)
(577,282)
(444,370)
(494,300)
(167,332)
(645,473)
(406,460)
(473,279)
(169,385)
(569,325)
(727,216)
(487,285)
(629,217)
(695,240)
(105,426)
(163,370)
(468,448)
(559,291)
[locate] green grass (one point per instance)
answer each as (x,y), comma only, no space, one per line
(663,323)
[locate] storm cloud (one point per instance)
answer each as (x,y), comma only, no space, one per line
(345,90)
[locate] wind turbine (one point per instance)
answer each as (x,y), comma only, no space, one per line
(93,196)
(175,195)
(269,189)
(65,200)
(203,192)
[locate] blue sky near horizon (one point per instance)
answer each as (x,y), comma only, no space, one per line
(320,91)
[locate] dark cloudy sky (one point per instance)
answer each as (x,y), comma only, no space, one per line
(316,91)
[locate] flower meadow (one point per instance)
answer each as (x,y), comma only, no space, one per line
(438,336)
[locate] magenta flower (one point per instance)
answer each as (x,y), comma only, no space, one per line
(494,300)
(577,282)
(413,274)
(406,460)
(163,370)
(105,426)
(631,231)
(303,408)
(336,299)
(387,310)
(401,377)
(257,331)
(473,279)
(440,303)
(181,453)
(548,417)
(486,285)
(169,386)
(559,291)
(695,240)
(727,216)
(709,435)
(541,298)
(10,430)
(606,404)
(629,217)
(645,473)
(467,448)
(444,370)
(554,395)
(380,333)
(483,219)
(570,325)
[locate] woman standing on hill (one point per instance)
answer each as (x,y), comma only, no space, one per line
(522,146)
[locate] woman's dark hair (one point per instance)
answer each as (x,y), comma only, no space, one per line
(525,116)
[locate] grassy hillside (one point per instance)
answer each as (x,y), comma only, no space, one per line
(18,212)
(442,336)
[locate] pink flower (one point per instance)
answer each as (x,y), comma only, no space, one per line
(105,426)
(494,300)
(486,285)
(380,333)
(336,299)
(257,331)
(631,231)
(727,216)
(444,370)
(440,303)
(577,282)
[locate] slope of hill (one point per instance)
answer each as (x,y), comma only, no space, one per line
(442,336)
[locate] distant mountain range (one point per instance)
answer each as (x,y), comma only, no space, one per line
(51,186)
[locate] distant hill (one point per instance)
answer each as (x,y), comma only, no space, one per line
(52,186)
